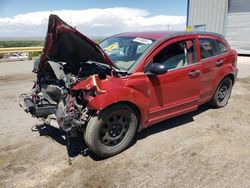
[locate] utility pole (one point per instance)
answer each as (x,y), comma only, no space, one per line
(168,26)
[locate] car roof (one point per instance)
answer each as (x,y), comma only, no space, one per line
(160,36)
(156,35)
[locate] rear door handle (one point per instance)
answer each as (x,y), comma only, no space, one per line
(219,63)
(194,73)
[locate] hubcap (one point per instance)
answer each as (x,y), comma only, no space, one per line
(114,130)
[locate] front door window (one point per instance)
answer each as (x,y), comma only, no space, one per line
(177,55)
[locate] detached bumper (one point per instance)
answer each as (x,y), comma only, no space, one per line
(26,103)
(36,110)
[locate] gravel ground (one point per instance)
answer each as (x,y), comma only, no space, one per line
(205,148)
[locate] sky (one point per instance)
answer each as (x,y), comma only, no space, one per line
(29,18)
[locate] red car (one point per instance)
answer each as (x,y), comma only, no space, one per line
(110,91)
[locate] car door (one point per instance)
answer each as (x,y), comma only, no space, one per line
(176,91)
(212,59)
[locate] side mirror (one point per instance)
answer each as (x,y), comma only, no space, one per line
(157,68)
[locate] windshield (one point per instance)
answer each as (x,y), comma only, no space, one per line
(125,51)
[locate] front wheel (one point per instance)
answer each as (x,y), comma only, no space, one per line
(111,131)
(222,93)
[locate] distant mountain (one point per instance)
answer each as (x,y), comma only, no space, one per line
(95,38)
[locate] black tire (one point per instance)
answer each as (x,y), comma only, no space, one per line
(222,93)
(112,131)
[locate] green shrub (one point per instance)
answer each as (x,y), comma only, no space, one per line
(20,43)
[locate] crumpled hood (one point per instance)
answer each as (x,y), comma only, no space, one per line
(64,43)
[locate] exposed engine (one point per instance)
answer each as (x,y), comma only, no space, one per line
(51,94)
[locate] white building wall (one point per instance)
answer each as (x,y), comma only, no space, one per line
(238,25)
(230,18)
(211,13)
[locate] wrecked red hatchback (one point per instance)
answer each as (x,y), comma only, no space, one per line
(110,91)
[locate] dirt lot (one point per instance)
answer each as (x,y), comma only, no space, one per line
(206,148)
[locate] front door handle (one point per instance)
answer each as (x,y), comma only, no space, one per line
(194,73)
(219,63)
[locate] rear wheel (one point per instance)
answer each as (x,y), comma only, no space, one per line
(111,131)
(222,93)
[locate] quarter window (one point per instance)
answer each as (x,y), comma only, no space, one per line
(177,55)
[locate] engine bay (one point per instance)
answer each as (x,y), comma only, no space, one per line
(52,94)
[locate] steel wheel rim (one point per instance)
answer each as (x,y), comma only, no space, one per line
(114,129)
(222,92)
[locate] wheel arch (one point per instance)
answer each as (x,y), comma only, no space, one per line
(230,75)
(217,84)
(138,101)
(211,102)
(133,106)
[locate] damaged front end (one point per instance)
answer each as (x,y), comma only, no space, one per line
(52,94)
(68,58)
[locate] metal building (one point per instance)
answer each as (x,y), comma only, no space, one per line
(230,18)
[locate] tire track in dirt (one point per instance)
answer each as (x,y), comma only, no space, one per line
(16,77)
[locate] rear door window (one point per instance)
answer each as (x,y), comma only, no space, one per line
(216,47)
(206,48)
(223,47)
(211,47)
(219,47)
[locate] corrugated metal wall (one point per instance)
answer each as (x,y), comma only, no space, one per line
(238,25)
(211,13)
(230,18)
